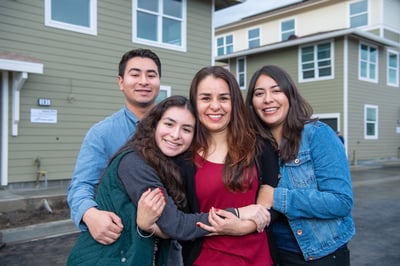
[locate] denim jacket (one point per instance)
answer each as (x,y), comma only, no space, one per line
(315,193)
(99,145)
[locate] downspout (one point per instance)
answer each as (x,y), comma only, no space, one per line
(212,32)
(345,92)
(19,79)
(4,129)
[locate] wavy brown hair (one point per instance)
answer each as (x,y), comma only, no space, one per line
(143,142)
(300,112)
(238,167)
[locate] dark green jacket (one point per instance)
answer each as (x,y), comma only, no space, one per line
(130,248)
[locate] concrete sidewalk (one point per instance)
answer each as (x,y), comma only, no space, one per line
(22,198)
(33,198)
(15,199)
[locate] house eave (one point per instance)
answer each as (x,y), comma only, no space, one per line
(18,63)
(221,4)
(310,39)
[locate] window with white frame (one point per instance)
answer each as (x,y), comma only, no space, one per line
(393,68)
(358,14)
(253,37)
(287,29)
(241,72)
(165,91)
(225,45)
(368,63)
(316,61)
(74,15)
(370,121)
(160,23)
(220,46)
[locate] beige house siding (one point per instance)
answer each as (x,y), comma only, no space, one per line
(391,9)
(375,9)
(330,15)
(307,21)
(308,18)
(80,77)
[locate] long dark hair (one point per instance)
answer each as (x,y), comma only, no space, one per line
(143,142)
(300,112)
(241,141)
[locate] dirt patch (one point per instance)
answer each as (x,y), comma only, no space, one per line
(18,218)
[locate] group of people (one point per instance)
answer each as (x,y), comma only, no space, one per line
(210,180)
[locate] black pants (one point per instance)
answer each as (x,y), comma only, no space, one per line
(340,257)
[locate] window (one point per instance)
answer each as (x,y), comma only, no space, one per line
(241,72)
(73,15)
(371,122)
(225,45)
(253,37)
(368,63)
(287,29)
(165,91)
(359,14)
(331,119)
(160,23)
(393,68)
(316,61)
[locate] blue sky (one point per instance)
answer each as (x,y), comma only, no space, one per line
(248,8)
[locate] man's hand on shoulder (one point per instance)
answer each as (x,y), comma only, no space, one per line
(105,227)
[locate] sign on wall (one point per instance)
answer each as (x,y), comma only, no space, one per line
(47,116)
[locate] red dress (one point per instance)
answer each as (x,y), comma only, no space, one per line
(250,249)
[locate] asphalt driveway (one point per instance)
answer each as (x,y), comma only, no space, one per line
(376,215)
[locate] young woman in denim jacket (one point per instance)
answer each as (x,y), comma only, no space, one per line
(314,195)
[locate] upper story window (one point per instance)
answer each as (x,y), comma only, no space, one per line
(73,15)
(316,62)
(368,63)
(287,29)
(359,14)
(241,72)
(253,37)
(160,23)
(393,68)
(225,45)
(370,121)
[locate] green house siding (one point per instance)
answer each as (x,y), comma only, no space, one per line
(387,100)
(328,96)
(390,35)
(80,77)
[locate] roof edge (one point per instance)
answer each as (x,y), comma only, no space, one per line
(20,63)
(308,39)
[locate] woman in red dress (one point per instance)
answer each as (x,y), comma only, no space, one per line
(226,173)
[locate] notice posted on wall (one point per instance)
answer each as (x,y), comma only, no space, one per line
(46,116)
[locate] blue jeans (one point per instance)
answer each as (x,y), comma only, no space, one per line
(341,257)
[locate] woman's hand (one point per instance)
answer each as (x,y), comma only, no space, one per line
(226,223)
(256,213)
(150,207)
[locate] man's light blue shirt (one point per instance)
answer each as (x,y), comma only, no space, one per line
(100,143)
